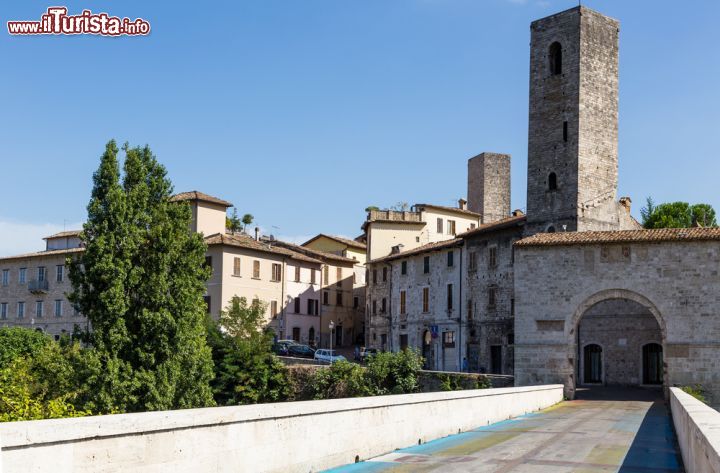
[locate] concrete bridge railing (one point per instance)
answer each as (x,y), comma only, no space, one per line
(290,436)
(697,426)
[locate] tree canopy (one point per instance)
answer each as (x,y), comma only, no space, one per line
(677,215)
(140,282)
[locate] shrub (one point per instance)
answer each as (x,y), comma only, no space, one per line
(394,373)
(19,342)
(341,379)
(695,391)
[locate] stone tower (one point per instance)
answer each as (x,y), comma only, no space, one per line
(573,125)
(489,186)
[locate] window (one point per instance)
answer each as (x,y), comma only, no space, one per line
(472,226)
(326,298)
(383,306)
(403,268)
(338,282)
(426,265)
(276,272)
(385,274)
(402,302)
(374,276)
(3,311)
(565,131)
(439,225)
(5,277)
(338,299)
(492,256)
(450,258)
(207,303)
(472,261)
(555,57)
(297,305)
(39,309)
(21,310)
(426,300)
(449,297)
(256,269)
(469,309)
(354,277)
(449,339)
(451,227)
(60,273)
(208,262)
(326,275)
(297,273)
(511,339)
(22,275)
(296,334)
(356,302)
(403,341)
(374,307)
(312,307)
(58,307)
(312,276)
(492,296)
(552,182)
(236,267)
(274,309)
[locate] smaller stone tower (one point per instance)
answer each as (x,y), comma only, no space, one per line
(489,186)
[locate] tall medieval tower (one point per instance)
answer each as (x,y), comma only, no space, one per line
(573,125)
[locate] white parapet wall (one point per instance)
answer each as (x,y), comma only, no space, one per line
(291,436)
(697,426)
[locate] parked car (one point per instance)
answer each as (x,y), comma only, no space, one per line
(301,351)
(328,356)
(280,349)
(366,353)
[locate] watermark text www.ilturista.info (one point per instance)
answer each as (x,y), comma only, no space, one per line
(57,21)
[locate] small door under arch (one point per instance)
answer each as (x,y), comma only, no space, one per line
(652,363)
(593,364)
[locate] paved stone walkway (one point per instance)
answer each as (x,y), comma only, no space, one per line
(581,436)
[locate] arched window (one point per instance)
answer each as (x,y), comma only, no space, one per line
(555,57)
(551,229)
(552,182)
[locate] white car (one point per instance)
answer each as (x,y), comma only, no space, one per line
(328,356)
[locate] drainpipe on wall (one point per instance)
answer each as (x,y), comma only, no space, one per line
(460,307)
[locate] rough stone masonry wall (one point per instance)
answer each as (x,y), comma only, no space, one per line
(488,189)
(678,281)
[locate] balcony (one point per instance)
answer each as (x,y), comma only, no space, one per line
(38,287)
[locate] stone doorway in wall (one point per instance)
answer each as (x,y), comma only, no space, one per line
(619,343)
(427,351)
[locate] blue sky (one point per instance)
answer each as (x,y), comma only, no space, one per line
(304,112)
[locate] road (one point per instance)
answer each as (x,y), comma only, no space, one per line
(598,434)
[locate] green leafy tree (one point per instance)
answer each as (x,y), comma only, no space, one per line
(370,208)
(246,370)
(677,215)
(140,282)
(233,222)
(17,342)
(247,220)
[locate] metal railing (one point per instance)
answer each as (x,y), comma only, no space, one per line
(36,286)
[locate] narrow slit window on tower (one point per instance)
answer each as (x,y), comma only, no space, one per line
(555,59)
(552,182)
(565,131)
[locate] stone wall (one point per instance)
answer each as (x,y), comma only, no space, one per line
(698,431)
(677,282)
(488,189)
(290,436)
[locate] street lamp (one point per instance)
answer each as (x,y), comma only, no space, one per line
(331,327)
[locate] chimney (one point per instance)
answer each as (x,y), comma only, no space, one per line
(257,233)
(517,213)
(462,204)
(626,202)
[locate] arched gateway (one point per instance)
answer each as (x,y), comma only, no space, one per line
(618,337)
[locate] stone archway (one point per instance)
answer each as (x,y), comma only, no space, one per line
(622,323)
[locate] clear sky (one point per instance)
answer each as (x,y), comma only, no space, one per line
(304,112)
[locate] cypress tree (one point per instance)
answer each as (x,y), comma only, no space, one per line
(140,282)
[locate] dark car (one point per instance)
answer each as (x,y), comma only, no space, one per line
(301,351)
(280,349)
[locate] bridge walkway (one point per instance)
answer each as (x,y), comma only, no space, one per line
(605,430)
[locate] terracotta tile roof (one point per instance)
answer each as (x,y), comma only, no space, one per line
(322,255)
(624,236)
(439,245)
(497,225)
(244,241)
(69,233)
(448,209)
(39,254)
(196,195)
(344,241)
